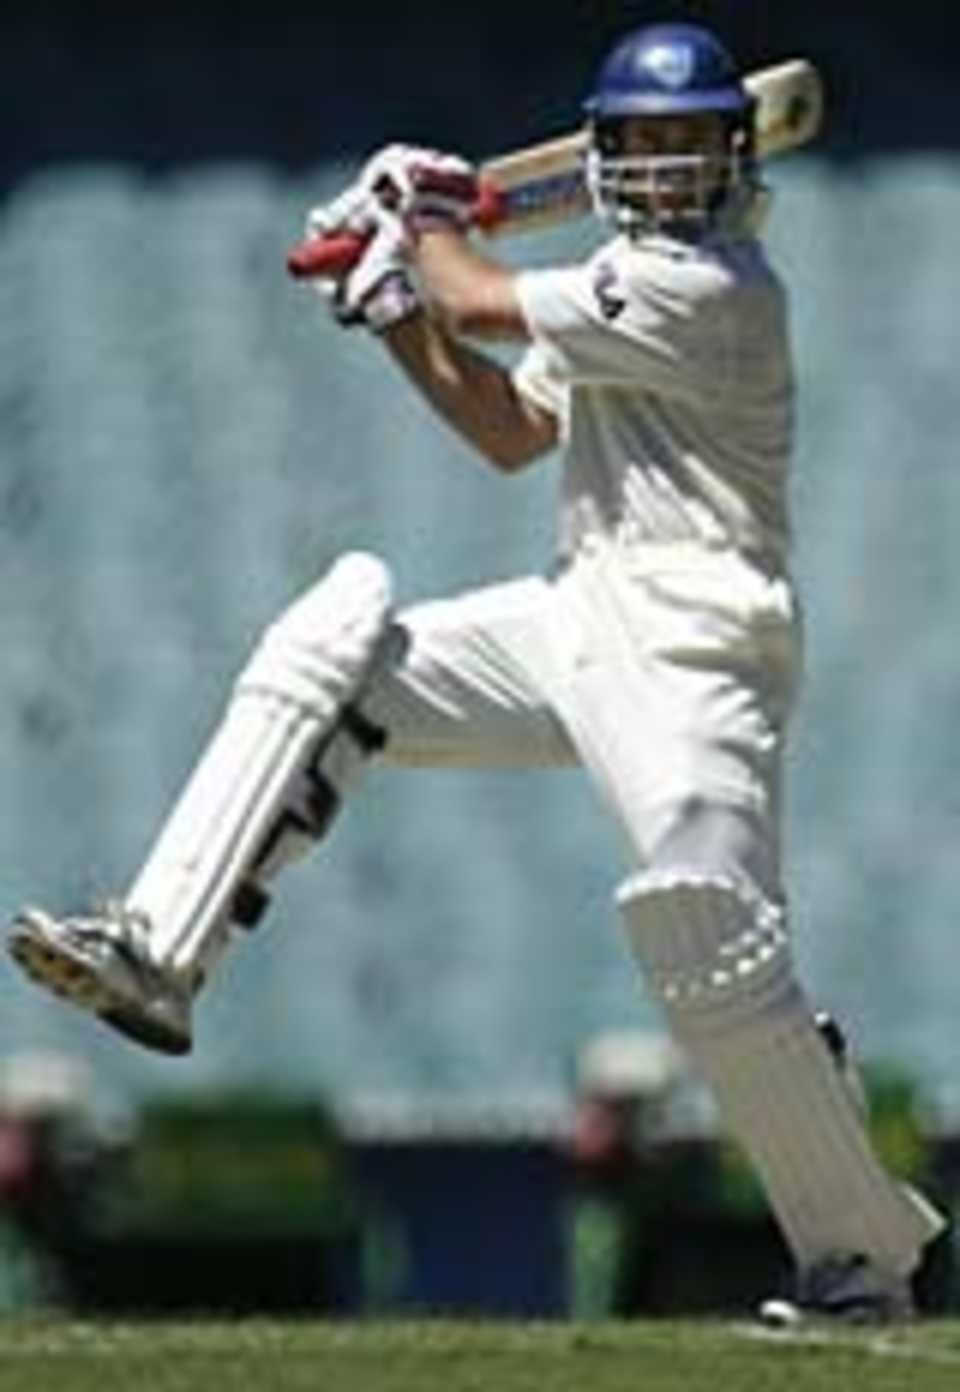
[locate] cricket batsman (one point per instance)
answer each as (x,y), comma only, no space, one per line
(660,651)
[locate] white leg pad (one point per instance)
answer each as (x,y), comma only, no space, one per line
(718,959)
(286,705)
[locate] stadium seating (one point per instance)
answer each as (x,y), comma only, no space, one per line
(187,441)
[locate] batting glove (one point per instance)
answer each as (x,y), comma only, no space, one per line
(427,188)
(378,291)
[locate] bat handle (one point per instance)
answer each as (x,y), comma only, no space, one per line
(331,255)
(336,253)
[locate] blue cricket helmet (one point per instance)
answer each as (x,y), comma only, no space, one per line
(661,71)
(666,69)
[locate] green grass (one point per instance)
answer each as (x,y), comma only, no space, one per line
(65,1355)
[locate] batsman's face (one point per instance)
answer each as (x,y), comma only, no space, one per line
(686,157)
(671,173)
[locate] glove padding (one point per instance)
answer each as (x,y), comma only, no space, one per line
(426,187)
(378,291)
(401,192)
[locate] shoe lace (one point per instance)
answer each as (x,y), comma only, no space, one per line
(114,922)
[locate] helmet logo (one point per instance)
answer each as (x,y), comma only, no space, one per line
(672,64)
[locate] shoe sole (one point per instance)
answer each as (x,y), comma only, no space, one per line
(76,983)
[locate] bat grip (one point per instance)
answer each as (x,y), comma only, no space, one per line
(334,254)
(331,255)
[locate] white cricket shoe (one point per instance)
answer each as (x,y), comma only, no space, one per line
(101,964)
(841,1292)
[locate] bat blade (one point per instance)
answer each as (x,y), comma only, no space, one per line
(790,106)
(543,185)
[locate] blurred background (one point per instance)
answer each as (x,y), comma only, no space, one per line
(187,442)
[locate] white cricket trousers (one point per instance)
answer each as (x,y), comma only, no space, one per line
(666,671)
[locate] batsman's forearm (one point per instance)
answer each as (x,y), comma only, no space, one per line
(473,394)
(470,293)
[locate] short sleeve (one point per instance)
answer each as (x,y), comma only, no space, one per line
(625,319)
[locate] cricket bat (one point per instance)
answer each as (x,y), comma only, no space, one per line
(542,185)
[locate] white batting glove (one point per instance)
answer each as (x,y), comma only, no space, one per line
(378,291)
(426,187)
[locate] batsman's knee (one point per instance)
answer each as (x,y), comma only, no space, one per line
(322,648)
(720,839)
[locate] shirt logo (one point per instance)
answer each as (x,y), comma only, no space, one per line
(672,64)
(604,287)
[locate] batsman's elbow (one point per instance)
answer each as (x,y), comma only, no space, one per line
(530,436)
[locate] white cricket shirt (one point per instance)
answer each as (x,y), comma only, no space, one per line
(669,368)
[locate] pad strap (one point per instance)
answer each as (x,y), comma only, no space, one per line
(271,778)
